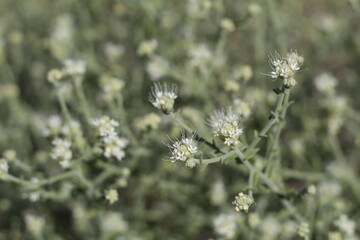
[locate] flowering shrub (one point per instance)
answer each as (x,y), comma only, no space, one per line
(195,119)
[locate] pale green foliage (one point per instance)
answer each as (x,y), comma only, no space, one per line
(85,155)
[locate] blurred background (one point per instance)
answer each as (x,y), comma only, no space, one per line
(217,53)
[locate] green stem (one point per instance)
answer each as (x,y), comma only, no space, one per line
(216,159)
(273,187)
(64,108)
(81,95)
(270,123)
(122,114)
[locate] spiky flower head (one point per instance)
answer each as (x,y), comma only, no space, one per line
(242,202)
(226,125)
(163,97)
(184,149)
(284,68)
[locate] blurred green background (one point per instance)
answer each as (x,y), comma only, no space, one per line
(160,200)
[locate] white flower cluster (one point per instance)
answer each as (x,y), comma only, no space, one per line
(347,226)
(34,224)
(4,168)
(147,47)
(285,68)
(218,193)
(200,55)
(157,68)
(113,222)
(74,67)
(62,152)
(55,127)
(113,51)
(225,225)
(113,145)
(303,230)
(111,195)
(111,87)
(163,97)
(242,202)
(184,150)
(226,125)
(51,126)
(105,126)
(326,83)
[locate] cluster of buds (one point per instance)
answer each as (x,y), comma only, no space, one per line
(163,97)
(284,68)
(242,202)
(226,126)
(113,145)
(111,195)
(184,149)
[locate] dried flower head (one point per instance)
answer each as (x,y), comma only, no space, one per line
(242,202)
(163,97)
(184,149)
(226,126)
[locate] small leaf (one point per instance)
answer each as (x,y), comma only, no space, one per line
(251,154)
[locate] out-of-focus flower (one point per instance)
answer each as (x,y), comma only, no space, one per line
(225,225)
(303,230)
(4,168)
(199,55)
(114,147)
(113,222)
(326,83)
(218,193)
(242,108)
(105,126)
(147,47)
(61,152)
(157,67)
(227,24)
(150,121)
(74,67)
(111,195)
(34,224)
(346,225)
